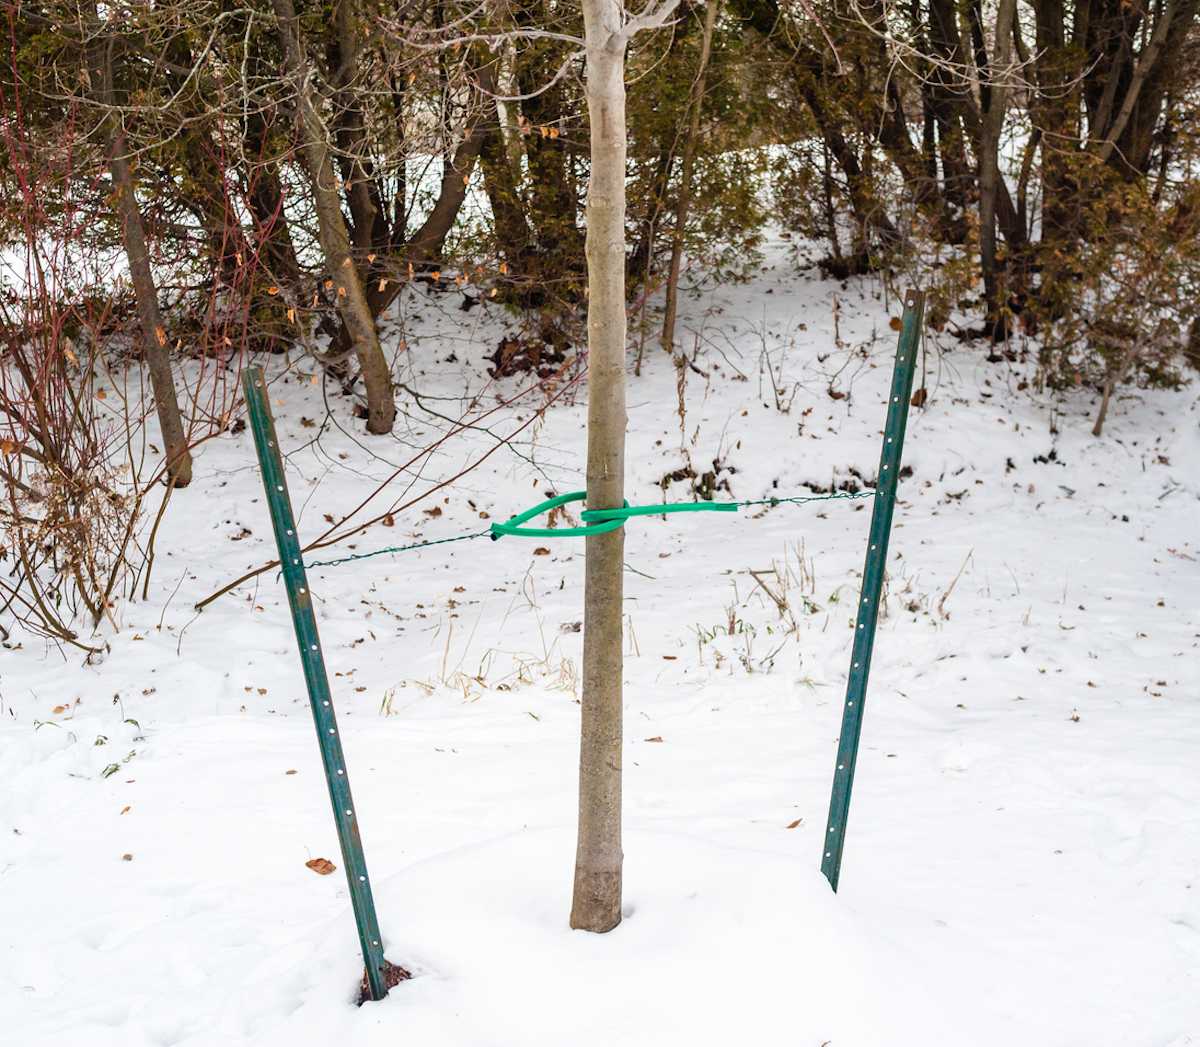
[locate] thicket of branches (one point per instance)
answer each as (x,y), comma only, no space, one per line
(219,177)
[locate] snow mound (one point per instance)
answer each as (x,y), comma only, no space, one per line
(719,945)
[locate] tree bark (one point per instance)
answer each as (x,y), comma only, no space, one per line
(357,318)
(596,905)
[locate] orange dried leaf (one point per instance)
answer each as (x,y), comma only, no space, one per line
(795,823)
(541,550)
(272,290)
(656,738)
(321,866)
(124,811)
(6,446)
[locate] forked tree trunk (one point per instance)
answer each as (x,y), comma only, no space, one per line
(597,900)
(347,286)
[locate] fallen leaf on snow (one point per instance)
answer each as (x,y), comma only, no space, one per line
(321,865)
(656,738)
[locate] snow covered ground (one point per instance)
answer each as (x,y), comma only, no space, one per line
(1023,855)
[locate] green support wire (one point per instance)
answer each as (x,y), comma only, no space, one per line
(320,700)
(868,612)
(605,519)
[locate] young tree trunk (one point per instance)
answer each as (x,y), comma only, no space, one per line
(597,899)
(357,317)
(685,177)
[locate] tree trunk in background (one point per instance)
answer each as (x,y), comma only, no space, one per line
(685,178)
(597,899)
(357,318)
(264,198)
(154,338)
(989,166)
(1053,110)
(945,90)
(548,190)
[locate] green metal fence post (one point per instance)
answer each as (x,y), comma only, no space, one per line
(872,587)
(320,700)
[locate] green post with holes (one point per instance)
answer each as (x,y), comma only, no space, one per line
(320,700)
(872,587)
